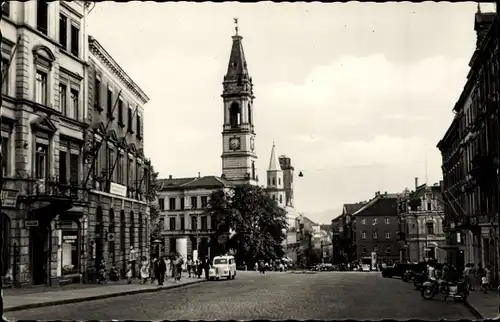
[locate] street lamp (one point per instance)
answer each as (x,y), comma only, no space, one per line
(322,253)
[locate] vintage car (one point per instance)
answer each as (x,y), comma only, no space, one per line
(222,266)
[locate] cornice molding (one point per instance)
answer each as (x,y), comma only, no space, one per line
(104,57)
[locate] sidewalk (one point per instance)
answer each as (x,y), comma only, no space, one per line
(22,299)
(484,306)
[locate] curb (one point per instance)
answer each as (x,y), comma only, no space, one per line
(301,272)
(473,310)
(95,297)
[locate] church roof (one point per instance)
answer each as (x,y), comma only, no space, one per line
(237,63)
(206,182)
(274,163)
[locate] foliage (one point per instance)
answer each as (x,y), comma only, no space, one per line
(255,221)
(151,195)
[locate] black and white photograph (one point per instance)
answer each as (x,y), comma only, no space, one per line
(249,160)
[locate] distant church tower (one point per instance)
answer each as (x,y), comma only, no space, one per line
(238,134)
(275,185)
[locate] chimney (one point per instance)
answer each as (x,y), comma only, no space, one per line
(170,176)
(385,194)
(416,183)
(199,175)
(377,193)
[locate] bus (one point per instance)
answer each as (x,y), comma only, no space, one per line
(366,264)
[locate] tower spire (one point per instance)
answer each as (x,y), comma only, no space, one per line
(236,26)
(237,68)
(273,162)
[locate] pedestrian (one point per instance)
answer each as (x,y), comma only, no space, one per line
(200,267)
(144,270)
(129,273)
(180,264)
(488,276)
(480,272)
(472,276)
(155,272)
(207,267)
(168,265)
(133,260)
(467,277)
(174,262)
(189,265)
(162,268)
(256,266)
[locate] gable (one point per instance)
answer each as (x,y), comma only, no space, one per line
(44,124)
(204,182)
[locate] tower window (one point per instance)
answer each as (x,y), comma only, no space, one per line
(250,114)
(234,115)
(281,198)
(253,170)
(274,181)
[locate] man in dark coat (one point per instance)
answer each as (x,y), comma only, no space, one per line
(162,268)
(206,266)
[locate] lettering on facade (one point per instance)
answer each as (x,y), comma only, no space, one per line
(9,198)
(118,189)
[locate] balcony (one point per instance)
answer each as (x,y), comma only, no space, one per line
(52,188)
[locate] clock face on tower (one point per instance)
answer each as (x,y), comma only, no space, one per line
(234,143)
(252,143)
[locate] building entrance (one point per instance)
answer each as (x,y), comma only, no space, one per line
(39,250)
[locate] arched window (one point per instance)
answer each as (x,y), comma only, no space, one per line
(5,228)
(274,181)
(279,181)
(281,198)
(234,115)
(132,229)
(111,229)
(141,228)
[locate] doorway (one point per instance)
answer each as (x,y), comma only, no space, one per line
(39,249)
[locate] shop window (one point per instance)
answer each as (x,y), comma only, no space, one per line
(71,249)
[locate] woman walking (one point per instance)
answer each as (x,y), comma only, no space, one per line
(144,270)
(189,266)
(129,273)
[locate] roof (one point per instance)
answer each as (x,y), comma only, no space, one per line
(237,63)
(350,208)
(208,182)
(274,163)
(381,204)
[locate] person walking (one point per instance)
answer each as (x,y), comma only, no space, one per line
(129,273)
(472,276)
(199,270)
(174,263)
(180,266)
(207,267)
(144,270)
(189,266)
(162,268)
(168,265)
(133,260)
(154,271)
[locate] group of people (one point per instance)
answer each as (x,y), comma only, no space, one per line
(475,276)
(159,269)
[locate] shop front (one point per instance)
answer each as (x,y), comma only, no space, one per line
(69,256)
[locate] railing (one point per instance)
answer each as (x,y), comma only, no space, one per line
(52,187)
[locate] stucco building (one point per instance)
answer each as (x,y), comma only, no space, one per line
(421,215)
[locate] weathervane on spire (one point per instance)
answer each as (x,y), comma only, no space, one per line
(236,25)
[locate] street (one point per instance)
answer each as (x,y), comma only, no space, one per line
(275,296)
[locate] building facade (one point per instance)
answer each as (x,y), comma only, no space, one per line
(238,133)
(469,149)
(117,172)
(377,228)
(182,202)
(43,125)
(344,234)
(421,217)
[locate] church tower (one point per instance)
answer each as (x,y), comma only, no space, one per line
(238,134)
(275,185)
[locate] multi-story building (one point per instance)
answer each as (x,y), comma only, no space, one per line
(421,217)
(117,173)
(344,234)
(43,122)
(182,203)
(377,228)
(469,150)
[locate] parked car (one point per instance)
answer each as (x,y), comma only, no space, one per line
(400,269)
(326,267)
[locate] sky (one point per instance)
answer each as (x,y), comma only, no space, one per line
(356,94)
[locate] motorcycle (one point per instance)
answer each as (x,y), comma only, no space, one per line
(418,280)
(457,291)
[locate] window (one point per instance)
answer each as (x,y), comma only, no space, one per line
(365,250)
(387,235)
(122,231)
(387,220)
(172,223)
(5,70)
(182,203)
(204,201)
(75,40)
(172,245)
(363,235)
(130,119)
(97,97)
(171,204)
(120,112)
(5,8)
(74,171)
(408,220)
(130,173)
(70,250)
(63,31)
(194,222)
(204,222)
(111,229)
(119,169)
(41,88)
(110,102)
(141,227)
(274,181)
(63,165)
(268,181)
(279,181)
(63,100)
(281,198)
(374,221)
(111,161)
(132,229)
(430,228)
(183,223)
(388,249)
(429,206)
(194,202)
(375,235)
(41,161)
(161,204)
(138,126)
(73,109)
(5,155)
(41,18)
(363,221)
(253,170)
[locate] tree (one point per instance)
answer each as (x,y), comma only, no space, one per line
(152,188)
(245,219)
